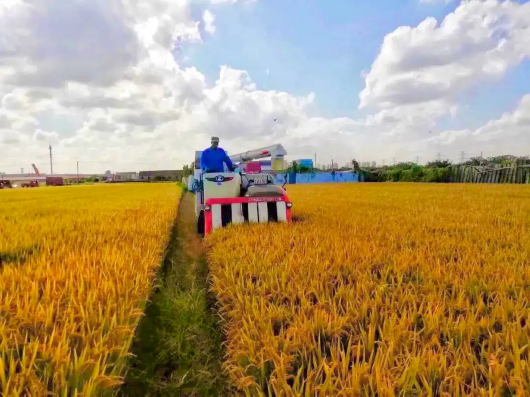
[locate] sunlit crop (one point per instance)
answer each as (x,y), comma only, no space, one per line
(76,268)
(387,289)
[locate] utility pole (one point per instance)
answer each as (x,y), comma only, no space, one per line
(417,159)
(439,156)
(22,171)
(51,159)
(78,172)
(463,156)
(332,168)
(393,160)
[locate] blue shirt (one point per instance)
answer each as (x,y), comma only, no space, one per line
(212,160)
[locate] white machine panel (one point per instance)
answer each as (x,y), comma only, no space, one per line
(263,213)
(217,220)
(221,185)
(253,212)
(237,213)
(281,209)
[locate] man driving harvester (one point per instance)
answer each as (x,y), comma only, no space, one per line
(212,159)
(235,197)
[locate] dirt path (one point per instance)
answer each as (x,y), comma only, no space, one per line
(178,343)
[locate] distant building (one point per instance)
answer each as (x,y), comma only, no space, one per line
(126,176)
(161,175)
(54,181)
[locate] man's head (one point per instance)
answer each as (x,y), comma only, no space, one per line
(215,142)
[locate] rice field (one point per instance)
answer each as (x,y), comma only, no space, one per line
(380,289)
(76,268)
(375,289)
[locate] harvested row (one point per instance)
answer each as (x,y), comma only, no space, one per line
(76,268)
(380,290)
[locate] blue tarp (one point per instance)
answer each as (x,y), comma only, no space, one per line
(318,177)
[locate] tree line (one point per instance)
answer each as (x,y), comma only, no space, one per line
(433,171)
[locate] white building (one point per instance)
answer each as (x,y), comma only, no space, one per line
(126,176)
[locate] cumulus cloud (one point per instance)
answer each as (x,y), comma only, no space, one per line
(507,134)
(53,41)
(45,136)
(9,137)
(99,80)
(208,19)
(481,40)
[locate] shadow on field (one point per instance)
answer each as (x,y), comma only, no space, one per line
(19,256)
(299,218)
(178,344)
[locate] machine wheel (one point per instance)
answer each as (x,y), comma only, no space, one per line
(200,224)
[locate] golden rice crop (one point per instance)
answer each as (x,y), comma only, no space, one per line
(387,289)
(76,268)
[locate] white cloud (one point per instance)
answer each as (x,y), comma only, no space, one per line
(10,137)
(117,99)
(511,125)
(208,19)
(478,42)
(53,41)
(509,134)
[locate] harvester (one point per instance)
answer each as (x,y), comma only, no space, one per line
(222,198)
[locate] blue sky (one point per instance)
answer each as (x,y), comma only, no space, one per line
(323,47)
(308,46)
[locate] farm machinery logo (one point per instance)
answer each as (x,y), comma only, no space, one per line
(220,179)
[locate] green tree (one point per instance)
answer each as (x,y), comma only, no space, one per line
(293,167)
(355,165)
(439,164)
